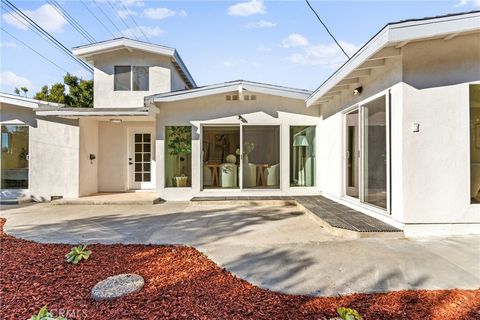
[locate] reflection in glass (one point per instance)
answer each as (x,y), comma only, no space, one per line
(475,143)
(261,156)
(352,154)
(178,156)
(375,152)
(302,156)
(14,157)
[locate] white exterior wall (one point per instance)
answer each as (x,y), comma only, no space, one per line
(215,110)
(113,154)
(53,153)
(436,160)
(161,78)
(88,168)
(430,170)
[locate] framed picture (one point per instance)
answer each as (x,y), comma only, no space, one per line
(477,136)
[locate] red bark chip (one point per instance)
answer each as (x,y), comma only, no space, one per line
(181,283)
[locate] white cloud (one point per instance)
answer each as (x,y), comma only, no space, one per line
(294,40)
(323,54)
(8,78)
(260,24)
(138,3)
(148,31)
(475,3)
(46,16)
(249,8)
(7,44)
(125,13)
(159,13)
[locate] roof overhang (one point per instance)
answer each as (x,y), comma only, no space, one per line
(87,52)
(26,102)
(239,86)
(387,43)
(76,113)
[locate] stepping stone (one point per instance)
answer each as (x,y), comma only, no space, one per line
(117,286)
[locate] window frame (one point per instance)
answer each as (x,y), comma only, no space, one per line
(132,67)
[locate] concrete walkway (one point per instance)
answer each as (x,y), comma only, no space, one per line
(276,247)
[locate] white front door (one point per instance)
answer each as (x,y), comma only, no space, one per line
(140,161)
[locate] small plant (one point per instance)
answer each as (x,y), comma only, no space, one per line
(78,253)
(43,314)
(349,314)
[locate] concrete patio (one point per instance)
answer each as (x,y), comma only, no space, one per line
(277,247)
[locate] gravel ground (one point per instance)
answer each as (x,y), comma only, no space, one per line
(182,283)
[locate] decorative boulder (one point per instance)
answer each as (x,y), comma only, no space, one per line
(117,286)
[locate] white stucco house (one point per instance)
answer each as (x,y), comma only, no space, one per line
(393,133)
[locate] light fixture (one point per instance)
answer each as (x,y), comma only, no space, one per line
(357,91)
(116,120)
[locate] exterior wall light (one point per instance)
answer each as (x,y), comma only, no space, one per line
(116,120)
(357,91)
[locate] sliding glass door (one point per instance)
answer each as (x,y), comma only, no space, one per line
(14,157)
(352,163)
(261,157)
(375,152)
(366,153)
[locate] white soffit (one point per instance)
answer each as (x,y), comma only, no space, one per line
(388,42)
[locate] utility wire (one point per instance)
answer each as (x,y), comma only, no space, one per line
(323,24)
(135,22)
(108,18)
(26,45)
(30,24)
(124,22)
(47,35)
(95,16)
(77,26)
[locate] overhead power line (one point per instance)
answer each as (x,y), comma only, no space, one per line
(124,22)
(47,36)
(26,45)
(323,24)
(96,17)
(107,17)
(77,26)
(135,22)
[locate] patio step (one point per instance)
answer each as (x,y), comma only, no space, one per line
(335,217)
(120,198)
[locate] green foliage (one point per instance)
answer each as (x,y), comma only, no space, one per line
(78,253)
(348,314)
(179,140)
(16,91)
(25,90)
(43,314)
(80,92)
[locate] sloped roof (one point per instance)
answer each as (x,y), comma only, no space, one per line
(89,50)
(224,87)
(26,102)
(387,43)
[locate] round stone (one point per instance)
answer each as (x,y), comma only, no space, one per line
(117,286)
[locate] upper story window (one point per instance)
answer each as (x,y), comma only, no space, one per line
(131,78)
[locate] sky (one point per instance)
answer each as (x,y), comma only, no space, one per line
(278,42)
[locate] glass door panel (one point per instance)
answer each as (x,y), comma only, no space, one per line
(142,159)
(14,157)
(375,152)
(261,157)
(352,163)
(221,156)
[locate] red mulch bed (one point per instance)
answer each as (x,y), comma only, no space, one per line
(180,282)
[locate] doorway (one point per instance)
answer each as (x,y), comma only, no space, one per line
(366,163)
(140,162)
(241,156)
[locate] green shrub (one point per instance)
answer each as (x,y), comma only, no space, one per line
(78,253)
(43,314)
(349,314)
